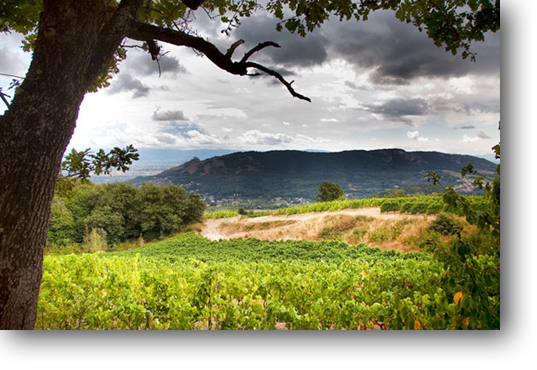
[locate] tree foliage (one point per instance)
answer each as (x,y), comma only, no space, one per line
(473,266)
(121,212)
(453,24)
(80,164)
(329,191)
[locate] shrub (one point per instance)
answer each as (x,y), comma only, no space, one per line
(435,208)
(445,224)
(406,207)
(419,207)
(379,235)
(390,206)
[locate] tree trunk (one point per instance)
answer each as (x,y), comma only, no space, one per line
(34,134)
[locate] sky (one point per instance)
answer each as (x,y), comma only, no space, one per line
(374,84)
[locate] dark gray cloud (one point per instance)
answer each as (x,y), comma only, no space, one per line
(169,115)
(125,82)
(400,108)
(295,50)
(464,127)
(398,52)
(482,134)
(143,65)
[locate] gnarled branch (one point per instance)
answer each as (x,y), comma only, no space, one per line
(232,48)
(258,48)
(143,32)
(280,78)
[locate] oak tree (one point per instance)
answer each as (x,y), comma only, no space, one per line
(329,191)
(76,49)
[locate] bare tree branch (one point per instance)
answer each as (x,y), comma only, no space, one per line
(258,48)
(142,32)
(280,78)
(232,48)
(2,95)
(193,4)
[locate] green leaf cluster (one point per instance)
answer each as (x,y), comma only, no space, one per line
(473,267)
(454,24)
(81,164)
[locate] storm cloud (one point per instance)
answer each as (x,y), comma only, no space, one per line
(295,50)
(395,52)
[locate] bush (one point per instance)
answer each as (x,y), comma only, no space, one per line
(390,206)
(419,207)
(445,224)
(406,207)
(379,235)
(435,208)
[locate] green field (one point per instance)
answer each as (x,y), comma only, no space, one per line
(189,282)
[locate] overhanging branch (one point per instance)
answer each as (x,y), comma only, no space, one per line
(143,32)
(279,77)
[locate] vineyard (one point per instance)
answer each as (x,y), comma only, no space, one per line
(189,282)
(431,204)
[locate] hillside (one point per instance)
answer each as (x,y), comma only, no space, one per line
(294,176)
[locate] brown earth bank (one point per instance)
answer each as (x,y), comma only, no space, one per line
(402,232)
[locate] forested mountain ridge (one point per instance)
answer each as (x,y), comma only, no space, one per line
(290,174)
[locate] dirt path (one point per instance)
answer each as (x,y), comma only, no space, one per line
(306,226)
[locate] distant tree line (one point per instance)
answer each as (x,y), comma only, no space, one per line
(118,212)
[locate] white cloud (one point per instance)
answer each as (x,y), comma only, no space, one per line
(264,138)
(286,123)
(329,120)
(468,139)
(199,138)
(255,137)
(309,140)
(415,135)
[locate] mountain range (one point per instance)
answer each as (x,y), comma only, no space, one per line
(294,176)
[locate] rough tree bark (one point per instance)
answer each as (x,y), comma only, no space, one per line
(75,44)
(35,132)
